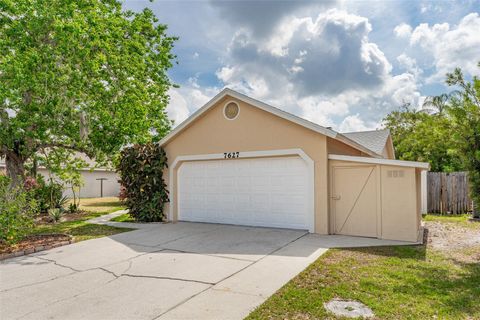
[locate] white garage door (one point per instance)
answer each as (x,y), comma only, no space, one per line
(270,192)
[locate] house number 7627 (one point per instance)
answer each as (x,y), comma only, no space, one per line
(231,155)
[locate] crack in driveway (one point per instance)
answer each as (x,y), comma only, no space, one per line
(228,277)
(60,265)
(128,267)
(115,277)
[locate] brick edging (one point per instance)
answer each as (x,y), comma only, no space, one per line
(4,256)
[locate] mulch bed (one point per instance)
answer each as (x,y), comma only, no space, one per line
(34,243)
(45,218)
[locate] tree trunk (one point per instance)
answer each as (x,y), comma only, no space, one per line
(15,168)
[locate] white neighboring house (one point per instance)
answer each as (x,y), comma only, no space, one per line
(92,185)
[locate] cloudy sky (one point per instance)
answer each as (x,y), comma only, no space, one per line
(344,64)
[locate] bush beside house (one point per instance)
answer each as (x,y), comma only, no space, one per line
(143,187)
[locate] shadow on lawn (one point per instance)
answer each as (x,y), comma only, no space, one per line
(414,251)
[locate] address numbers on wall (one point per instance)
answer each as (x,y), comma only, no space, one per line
(231,155)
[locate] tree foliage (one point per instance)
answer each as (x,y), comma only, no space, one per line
(436,104)
(141,171)
(420,136)
(464,111)
(79,75)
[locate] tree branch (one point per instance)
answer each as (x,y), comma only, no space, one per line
(63,146)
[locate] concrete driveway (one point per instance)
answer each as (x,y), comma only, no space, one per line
(162,271)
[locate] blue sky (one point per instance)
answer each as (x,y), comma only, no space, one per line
(344,64)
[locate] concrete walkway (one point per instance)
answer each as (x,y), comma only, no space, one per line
(162,271)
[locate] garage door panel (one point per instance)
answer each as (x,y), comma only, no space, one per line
(243,184)
(211,184)
(263,191)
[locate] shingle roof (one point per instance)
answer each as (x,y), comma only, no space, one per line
(374,140)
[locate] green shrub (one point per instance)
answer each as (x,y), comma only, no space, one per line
(72,207)
(59,203)
(55,214)
(17,210)
(141,172)
(48,195)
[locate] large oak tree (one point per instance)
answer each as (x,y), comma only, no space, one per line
(79,75)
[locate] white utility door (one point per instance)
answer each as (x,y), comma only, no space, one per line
(355,200)
(269,192)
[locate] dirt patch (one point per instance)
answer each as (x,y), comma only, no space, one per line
(448,236)
(455,240)
(30,243)
(46,219)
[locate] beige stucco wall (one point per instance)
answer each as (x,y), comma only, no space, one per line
(253,130)
(388,151)
(398,200)
(338,147)
(400,207)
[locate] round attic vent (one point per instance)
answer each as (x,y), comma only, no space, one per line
(231,110)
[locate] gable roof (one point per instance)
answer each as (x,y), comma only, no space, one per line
(374,140)
(273,110)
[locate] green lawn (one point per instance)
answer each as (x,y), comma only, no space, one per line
(101,205)
(123,218)
(412,282)
(79,228)
(461,219)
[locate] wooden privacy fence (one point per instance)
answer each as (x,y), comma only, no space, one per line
(448,192)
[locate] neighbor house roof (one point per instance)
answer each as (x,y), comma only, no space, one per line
(374,140)
(268,108)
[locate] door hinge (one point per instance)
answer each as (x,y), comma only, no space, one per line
(336,197)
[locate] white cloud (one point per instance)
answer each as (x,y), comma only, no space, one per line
(186,100)
(355,123)
(260,17)
(409,64)
(324,69)
(450,46)
(177,109)
(403,30)
(328,55)
(321,110)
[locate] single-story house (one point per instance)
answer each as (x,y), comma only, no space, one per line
(240,161)
(97,181)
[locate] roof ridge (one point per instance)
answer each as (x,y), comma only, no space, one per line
(375,130)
